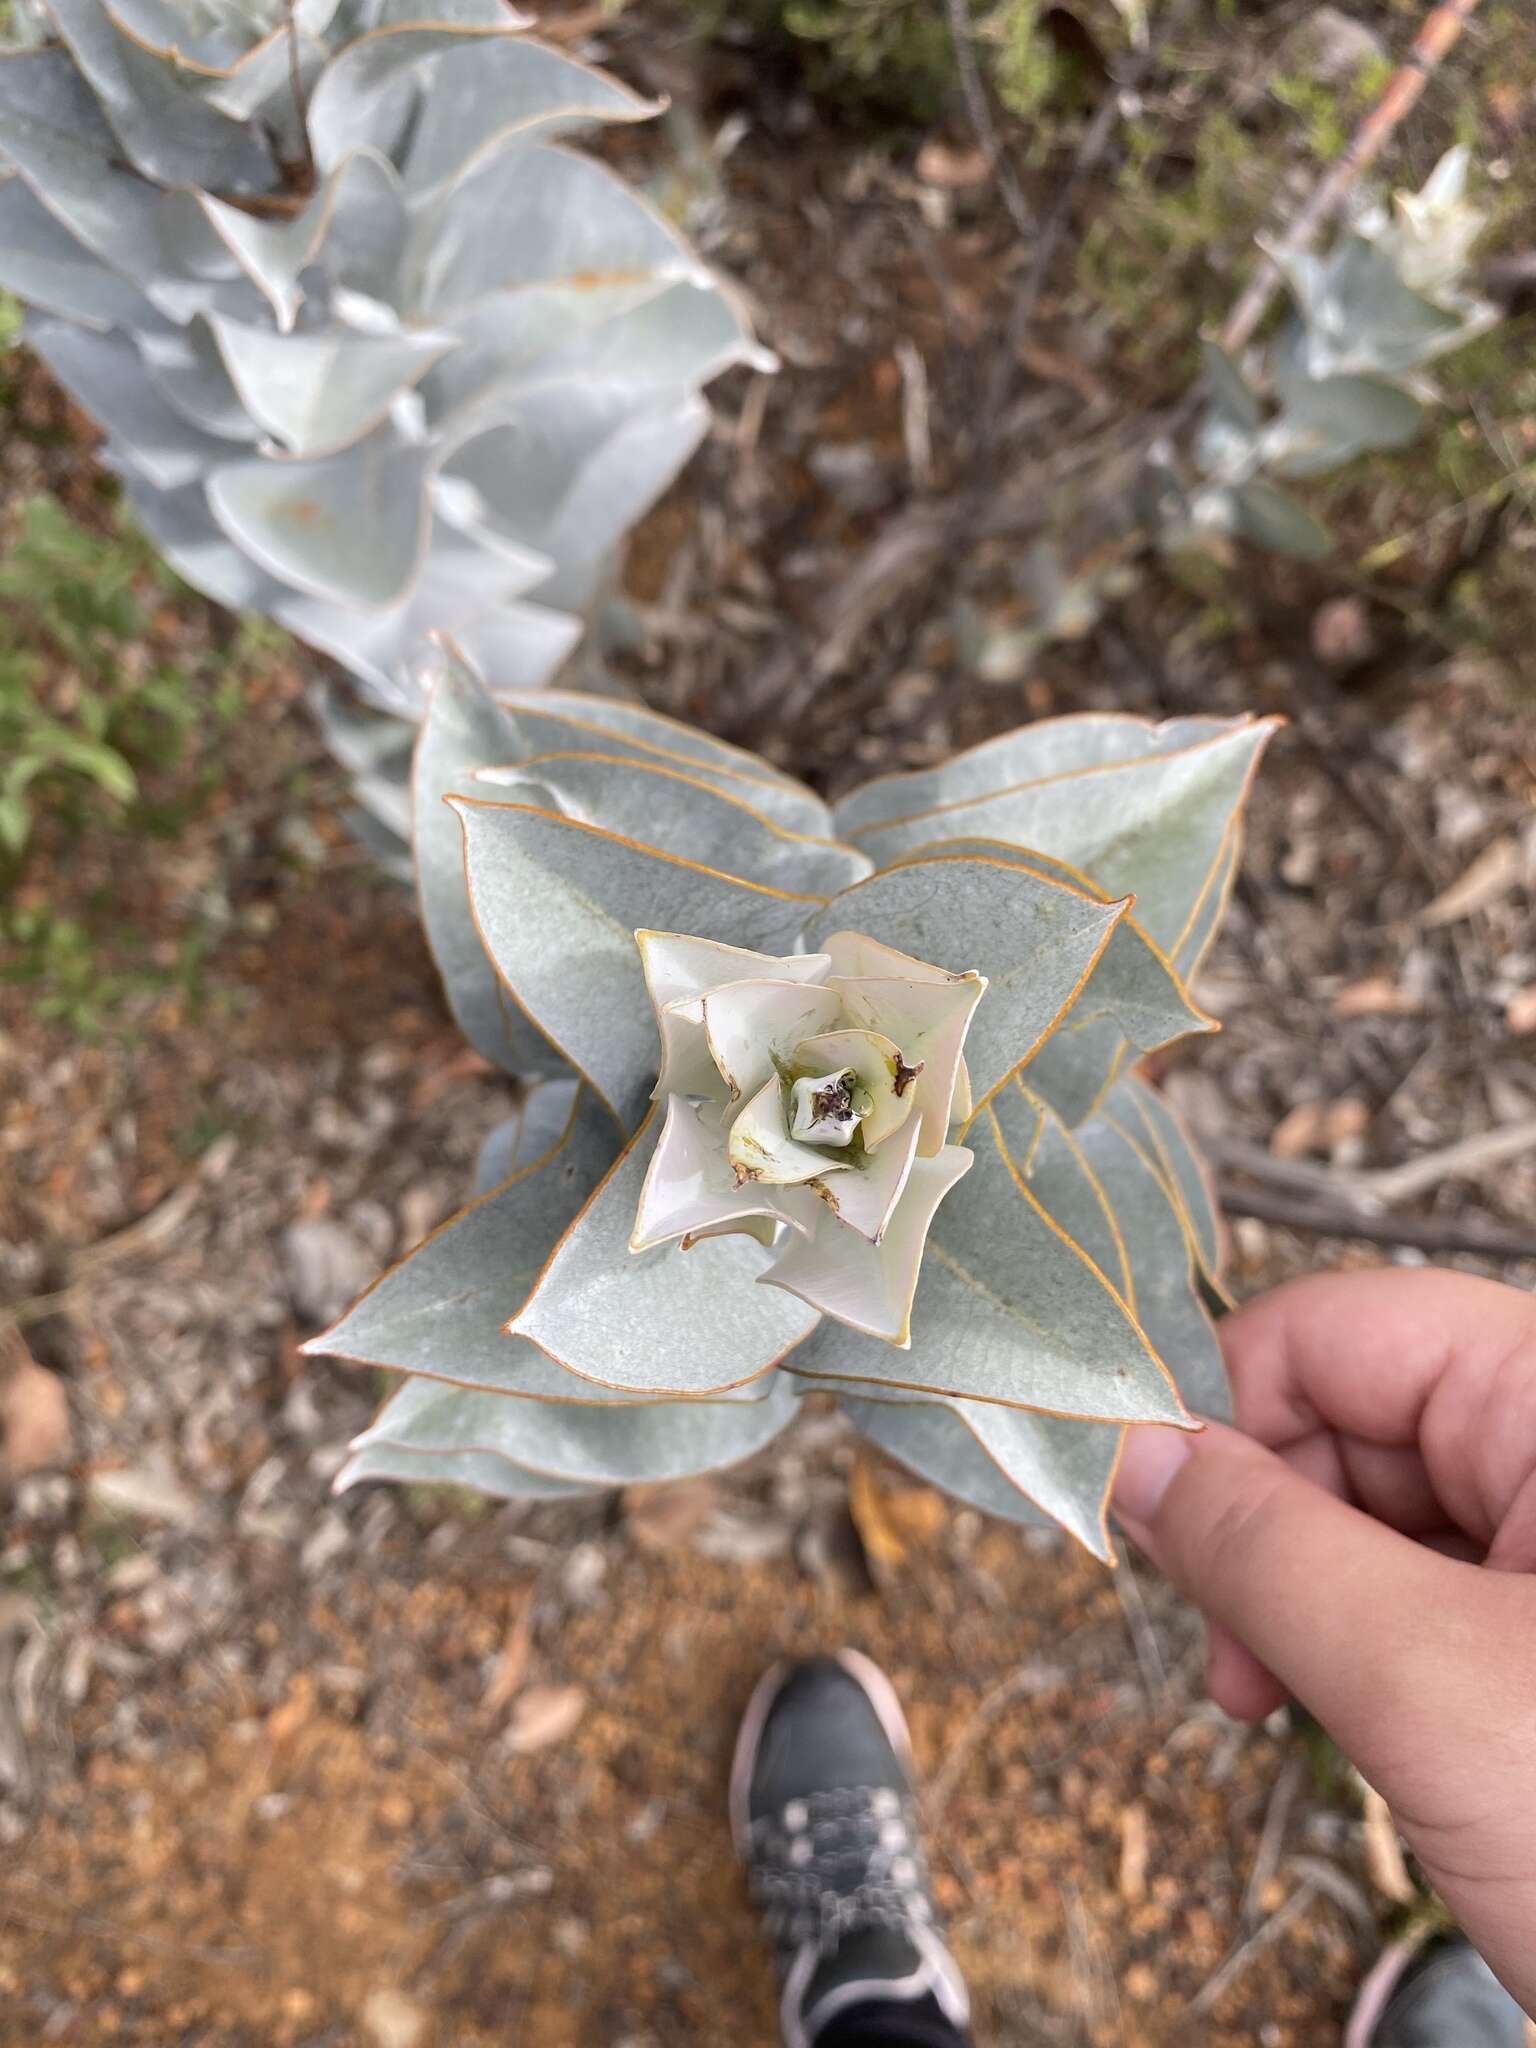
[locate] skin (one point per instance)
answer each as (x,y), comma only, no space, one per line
(1365,1540)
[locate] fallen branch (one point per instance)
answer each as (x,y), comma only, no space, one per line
(1370,1186)
(1437,37)
(1210,1993)
(1418,1234)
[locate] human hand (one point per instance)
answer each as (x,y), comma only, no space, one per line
(1366,1540)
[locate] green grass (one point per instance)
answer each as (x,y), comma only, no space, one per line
(82,713)
(116,705)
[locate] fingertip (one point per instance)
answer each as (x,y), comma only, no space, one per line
(1235,1679)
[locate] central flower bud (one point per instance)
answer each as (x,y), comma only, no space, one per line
(822,1111)
(810,1099)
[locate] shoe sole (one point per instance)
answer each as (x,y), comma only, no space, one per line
(870,1680)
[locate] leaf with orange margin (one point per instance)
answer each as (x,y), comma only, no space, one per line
(1168,1300)
(558,905)
(1035,1469)
(684,815)
(583,1444)
(1152,826)
(659,1322)
(1035,939)
(1188,1181)
(559,721)
(440,1311)
(1009,1309)
(1029,753)
(1133,998)
(464,726)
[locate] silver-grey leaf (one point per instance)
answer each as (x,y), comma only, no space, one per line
(1027,1468)
(168,131)
(1133,998)
(102,372)
(534,1128)
(1034,939)
(1009,1309)
(44,264)
(651,1323)
(563,721)
(350,529)
(440,1311)
(585,1445)
(558,905)
(1146,1115)
(1049,748)
(463,726)
(509,86)
(1150,826)
(481,1471)
(688,818)
(1168,1301)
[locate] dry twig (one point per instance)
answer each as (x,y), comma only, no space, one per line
(1370,1186)
(1324,1221)
(1266,1858)
(1212,1991)
(979,111)
(1435,39)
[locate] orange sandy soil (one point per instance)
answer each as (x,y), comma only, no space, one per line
(262,1876)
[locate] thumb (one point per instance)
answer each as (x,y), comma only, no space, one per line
(1345,1612)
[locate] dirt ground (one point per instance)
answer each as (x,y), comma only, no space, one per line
(406,1769)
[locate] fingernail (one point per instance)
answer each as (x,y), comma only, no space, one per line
(1152,1456)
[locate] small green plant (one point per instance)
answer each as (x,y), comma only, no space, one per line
(84,711)
(894,60)
(68,601)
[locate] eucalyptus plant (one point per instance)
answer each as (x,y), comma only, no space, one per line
(374,350)
(837,1098)
(1346,375)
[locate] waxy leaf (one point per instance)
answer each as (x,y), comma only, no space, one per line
(584,1446)
(463,725)
(1168,1300)
(1009,1309)
(686,817)
(1031,753)
(1150,827)
(1145,1115)
(1027,1468)
(482,1471)
(1033,939)
(350,529)
(440,1311)
(650,1323)
(558,905)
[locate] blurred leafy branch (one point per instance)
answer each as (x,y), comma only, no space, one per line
(895,58)
(77,718)
(101,715)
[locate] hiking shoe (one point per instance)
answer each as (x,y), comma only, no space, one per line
(824,1819)
(1438,1994)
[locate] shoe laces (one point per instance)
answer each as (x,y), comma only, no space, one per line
(835,1862)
